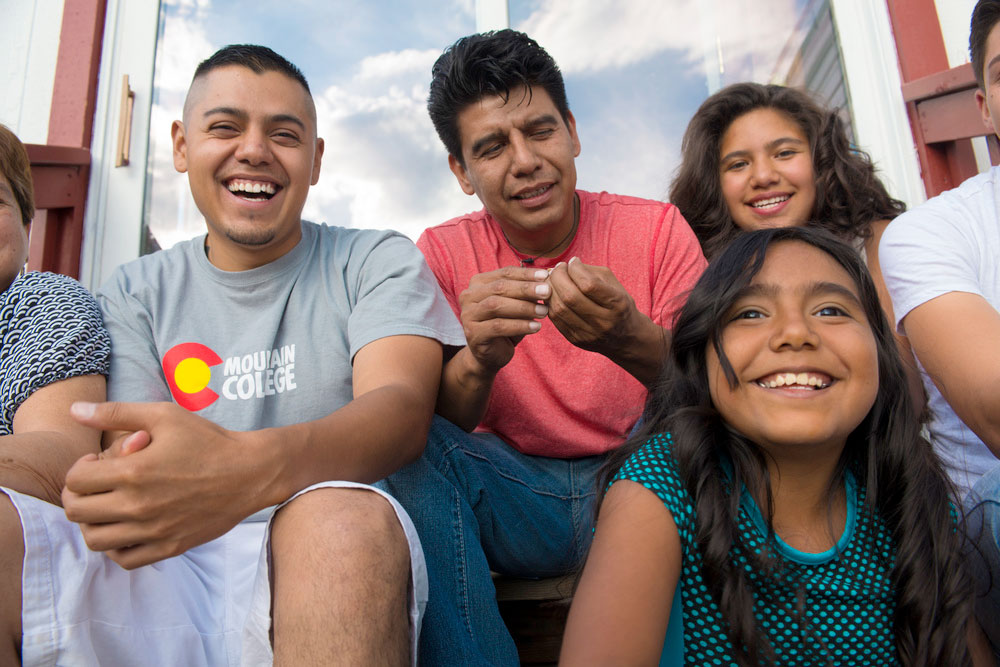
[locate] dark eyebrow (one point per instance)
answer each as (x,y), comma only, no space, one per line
(813,289)
(771,145)
(545,119)
(819,288)
(243,115)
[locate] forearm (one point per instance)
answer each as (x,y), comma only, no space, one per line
(35,463)
(366,440)
(465,390)
(643,350)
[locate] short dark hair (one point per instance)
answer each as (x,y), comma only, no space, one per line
(256,58)
(984,17)
(16,168)
(488,63)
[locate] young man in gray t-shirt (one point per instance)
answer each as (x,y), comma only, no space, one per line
(258,362)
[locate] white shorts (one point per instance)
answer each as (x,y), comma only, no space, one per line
(208,606)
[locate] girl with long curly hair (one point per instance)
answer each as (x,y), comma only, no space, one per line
(778,505)
(756,156)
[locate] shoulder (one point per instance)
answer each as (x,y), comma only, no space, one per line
(625,205)
(653,465)
(469,224)
(354,243)
(154,270)
(969,208)
(42,296)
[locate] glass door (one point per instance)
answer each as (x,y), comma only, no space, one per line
(635,73)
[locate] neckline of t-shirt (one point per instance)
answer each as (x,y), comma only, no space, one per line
(542,262)
(261,274)
(805,557)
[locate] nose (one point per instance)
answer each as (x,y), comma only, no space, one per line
(763,174)
(524,160)
(253,148)
(793,331)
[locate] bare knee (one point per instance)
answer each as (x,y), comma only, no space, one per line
(352,520)
(11,565)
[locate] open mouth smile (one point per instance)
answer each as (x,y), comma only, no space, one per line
(765,205)
(808,380)
(252,190)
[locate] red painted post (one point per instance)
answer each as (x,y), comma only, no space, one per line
(921,51)
(57,231)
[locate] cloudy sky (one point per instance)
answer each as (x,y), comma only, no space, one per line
(635,72)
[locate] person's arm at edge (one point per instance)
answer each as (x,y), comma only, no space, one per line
(956,336)
(621,608)
(913,380)
(47,441)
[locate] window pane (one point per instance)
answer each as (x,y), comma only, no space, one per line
(368,64)
(635,73)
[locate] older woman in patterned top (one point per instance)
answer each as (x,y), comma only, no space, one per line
(53,351)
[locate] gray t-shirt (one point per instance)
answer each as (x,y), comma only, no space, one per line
(271,346)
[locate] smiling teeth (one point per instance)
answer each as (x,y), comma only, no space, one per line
(533,193)
(252,187)
(764,203)
(789,379)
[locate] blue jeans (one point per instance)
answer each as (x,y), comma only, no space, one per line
(982,524)
(480,505)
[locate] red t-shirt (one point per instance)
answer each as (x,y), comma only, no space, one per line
(553,398)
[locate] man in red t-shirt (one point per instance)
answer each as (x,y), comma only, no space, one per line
(566,298)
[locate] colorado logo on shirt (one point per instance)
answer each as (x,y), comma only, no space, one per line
(188,370)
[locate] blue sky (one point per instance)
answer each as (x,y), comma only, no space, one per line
(635,72)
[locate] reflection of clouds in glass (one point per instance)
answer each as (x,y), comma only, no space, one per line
(592,37)
(635,72)
(384,166)
(384,163)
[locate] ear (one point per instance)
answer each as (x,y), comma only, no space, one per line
(461,174)
(984,109)
(180,146)
(571,125)
(317,161)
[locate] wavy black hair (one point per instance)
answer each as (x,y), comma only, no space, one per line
(849,196)
(905,484)
(486,64)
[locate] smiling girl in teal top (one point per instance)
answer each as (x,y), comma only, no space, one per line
(779,506)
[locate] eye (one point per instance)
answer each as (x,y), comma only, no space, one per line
(491,151)
(748,314)
(543,134)
(787,153)
(285,137)
(832,311)
(735,165)
(224,129)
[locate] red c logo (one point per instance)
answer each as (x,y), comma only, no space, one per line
(187,368)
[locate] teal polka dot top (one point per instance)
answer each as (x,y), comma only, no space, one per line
(848,594)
